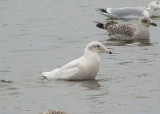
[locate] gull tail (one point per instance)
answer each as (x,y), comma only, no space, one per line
(99,25)
(101,10)
(49,75)
(44,75)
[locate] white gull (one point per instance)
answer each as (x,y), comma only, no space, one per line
(131,12)
(84,68)
(127,31)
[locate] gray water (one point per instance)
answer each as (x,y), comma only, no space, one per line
(40,35)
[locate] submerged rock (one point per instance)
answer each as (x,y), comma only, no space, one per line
(53,112)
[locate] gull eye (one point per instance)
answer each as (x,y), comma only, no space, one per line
(98,46)
(145,21)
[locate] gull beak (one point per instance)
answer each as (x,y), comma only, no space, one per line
(154,24)
(104,50)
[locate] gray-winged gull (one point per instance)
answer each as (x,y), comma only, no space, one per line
(127,31)
(131,12)
(84,68)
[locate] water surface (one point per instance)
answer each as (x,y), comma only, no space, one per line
(41,35)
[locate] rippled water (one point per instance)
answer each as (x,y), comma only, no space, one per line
(41,35)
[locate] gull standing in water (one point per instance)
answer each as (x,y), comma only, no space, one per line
(131,12)
(126,31)
(84,68)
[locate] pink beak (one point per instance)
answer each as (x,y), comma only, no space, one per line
(104,50)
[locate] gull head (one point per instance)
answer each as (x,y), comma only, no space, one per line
(96,46)
(146,21)
(154,5)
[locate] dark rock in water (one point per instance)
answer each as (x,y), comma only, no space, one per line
(53,112)
(5,81)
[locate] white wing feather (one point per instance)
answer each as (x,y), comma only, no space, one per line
(70,71)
